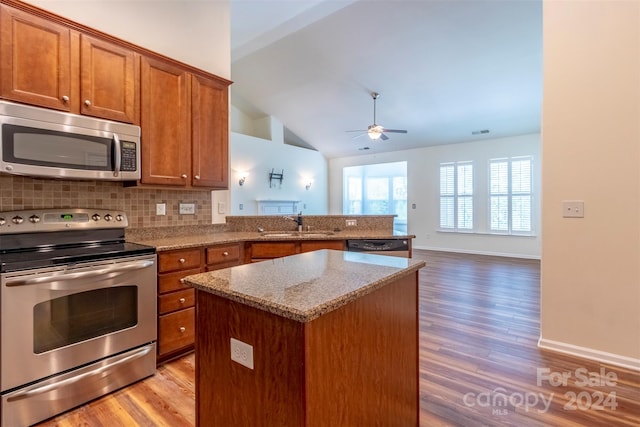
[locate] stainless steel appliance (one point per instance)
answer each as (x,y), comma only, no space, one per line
(39,142)
(77,310)
(393,247)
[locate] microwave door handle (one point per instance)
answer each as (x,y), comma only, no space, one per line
(118,154)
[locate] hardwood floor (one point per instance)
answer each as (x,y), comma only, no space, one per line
(479,362)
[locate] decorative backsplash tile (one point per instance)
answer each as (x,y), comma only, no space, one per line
(18,193)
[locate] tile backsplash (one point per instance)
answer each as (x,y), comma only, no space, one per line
(139,203)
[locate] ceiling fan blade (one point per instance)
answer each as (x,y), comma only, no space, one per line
(358,136)
(383,137)
(395,130)
(357,130)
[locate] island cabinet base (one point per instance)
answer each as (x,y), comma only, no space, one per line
(354,366)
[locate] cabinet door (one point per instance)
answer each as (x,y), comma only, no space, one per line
(314,245)
(166,133)
(210,122)
(109,76)
(36,60)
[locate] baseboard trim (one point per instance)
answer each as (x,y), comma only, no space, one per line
(590,353)
(472,252)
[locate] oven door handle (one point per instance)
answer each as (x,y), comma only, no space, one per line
(49,387)
(53,277)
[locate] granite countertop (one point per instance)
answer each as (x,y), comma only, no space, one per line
(215,238)
(303,287)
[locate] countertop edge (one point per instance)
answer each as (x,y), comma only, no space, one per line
(317,311)
(174,243)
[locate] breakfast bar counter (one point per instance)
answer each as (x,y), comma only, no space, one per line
(323,338)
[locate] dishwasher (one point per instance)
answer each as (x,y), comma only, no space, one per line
(392,247)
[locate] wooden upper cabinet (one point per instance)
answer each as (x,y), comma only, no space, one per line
(210,133)
(185,126)
(37,60)
(48,64)
(166,133)
(109,80)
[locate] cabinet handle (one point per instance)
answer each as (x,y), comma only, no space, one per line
(225,253)
(87,103)
(184,175)
(197,177)
(182,300)
(65,98)
(182,329)
(182,260)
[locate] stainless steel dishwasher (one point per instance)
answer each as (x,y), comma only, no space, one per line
(393,247)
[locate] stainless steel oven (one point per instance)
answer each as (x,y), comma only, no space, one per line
(78,311)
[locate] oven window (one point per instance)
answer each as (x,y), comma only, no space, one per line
(78,317)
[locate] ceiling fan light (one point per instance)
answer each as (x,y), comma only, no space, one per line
(374,133)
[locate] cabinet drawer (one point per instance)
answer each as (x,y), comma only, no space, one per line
(169,282)
(223,254)
(179,260)
(273,249)
(176,301)
(176,330)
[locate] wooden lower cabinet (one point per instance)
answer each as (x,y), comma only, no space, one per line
(176,305)
(176,300)
(176,312)
(260,251)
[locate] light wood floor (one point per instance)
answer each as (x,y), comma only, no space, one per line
(478,361)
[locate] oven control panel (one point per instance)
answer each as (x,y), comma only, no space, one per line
(45,220)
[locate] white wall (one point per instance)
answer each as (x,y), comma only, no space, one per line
(591,152)
(192,31)
(258,157)
(423,168)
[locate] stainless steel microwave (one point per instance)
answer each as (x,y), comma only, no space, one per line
(46,143)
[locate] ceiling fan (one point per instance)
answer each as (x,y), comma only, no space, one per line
(376,131)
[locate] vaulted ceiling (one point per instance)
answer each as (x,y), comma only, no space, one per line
(447,71)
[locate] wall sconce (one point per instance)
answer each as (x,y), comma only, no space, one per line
(308,185)
(243,178)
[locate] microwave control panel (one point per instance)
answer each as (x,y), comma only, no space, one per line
(128,155)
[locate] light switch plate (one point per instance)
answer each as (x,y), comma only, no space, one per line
(242,353)
(222,208)
(161,209)
(573,209)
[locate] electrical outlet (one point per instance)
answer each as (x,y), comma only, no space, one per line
(161,209)
(222,208)
(187,208)
(573,209)
(242,353)
(351,222)
(241,206)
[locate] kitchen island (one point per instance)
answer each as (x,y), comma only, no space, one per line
(324,338)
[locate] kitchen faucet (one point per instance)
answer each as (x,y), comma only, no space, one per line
(298,220)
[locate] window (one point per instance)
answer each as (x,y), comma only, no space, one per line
(379,189)
(510,186)
(456,196)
